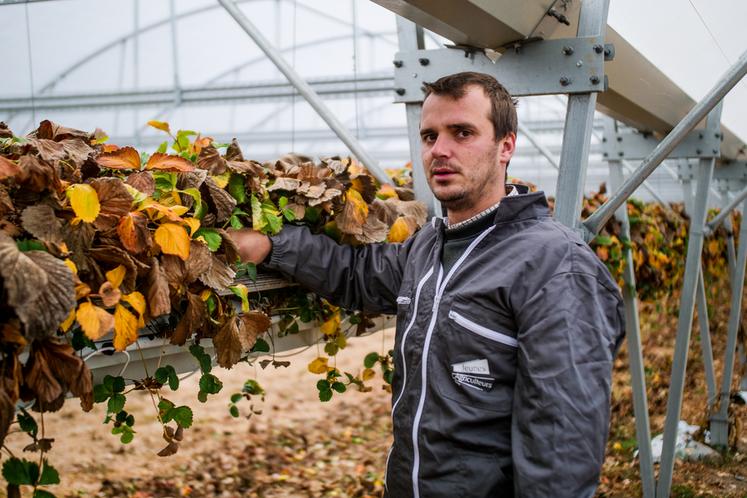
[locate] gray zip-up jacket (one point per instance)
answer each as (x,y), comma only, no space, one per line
(502,365)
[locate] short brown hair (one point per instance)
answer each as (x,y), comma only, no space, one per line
(503,105)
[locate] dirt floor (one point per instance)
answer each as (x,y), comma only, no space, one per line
(300,447)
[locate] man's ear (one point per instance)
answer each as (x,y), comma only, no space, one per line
(506,148)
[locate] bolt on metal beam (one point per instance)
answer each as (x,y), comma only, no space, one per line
(733,75)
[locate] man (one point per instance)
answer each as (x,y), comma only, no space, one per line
(507,323)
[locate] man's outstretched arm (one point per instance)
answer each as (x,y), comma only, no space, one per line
(363,277)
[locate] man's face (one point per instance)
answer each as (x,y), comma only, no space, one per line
(464,164)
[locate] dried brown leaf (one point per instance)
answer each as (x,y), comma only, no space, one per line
(220,201)
(49,150)
(192,320)
(220,275)
(169,450)
(53,131)
(37,175)
(200,260)
(252,325)
(7,414)
(122,158)
(167,162)
(230,249)
(211,160)
(77,150)
(228,347)
(115,202)
(133,232)
(233,152)
(158,290)
(374,230)
(142,181)
(8,169)
(40,221)
(284,183)
(109,294)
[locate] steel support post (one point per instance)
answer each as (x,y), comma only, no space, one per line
(635,354)
(410,39)
(733,75)
(702,304)
(704,175)
(306,91)
(579,122)
(720,421)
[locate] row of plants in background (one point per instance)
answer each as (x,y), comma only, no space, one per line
(100,244)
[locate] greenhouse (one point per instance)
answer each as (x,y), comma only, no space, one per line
(140,141)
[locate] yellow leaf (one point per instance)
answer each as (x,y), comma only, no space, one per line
(386,192)
(84,201)
(179,210)
(116,276)
(400,230)
(94,321)
(193,224)
(368,374)
(205,294)
(330,326)
(221,180)
(136,300)
(81,291)
(160,125)
(173,239)
(125,328)
(65,326)
(319,366)
(69,263)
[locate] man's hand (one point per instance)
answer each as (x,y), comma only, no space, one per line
(253,246)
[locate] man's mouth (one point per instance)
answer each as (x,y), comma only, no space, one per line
(442,173)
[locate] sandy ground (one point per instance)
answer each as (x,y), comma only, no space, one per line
(85,453)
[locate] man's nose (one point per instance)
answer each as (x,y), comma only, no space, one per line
(441,147)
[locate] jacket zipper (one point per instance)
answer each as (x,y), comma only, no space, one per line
(480,330)
(440,286)
(405,300)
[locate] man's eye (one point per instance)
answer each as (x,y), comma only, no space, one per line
(464,133)
(428,138)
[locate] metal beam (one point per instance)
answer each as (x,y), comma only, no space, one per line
(685,318)
(579,122)
(633,338)
(572,65)
(726,211)
(371,84)
(596,221)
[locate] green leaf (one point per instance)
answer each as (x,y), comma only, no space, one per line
(251,386)
(130,420)
(162,375)
(49,475)
(210,384)
(339,387)
(163,147)
(235,222)
(101,393)
(19,472)
(202,397)
(164,406)
(116,403)
(27,423)
(603,240)
(289,215)
(370,360)
(204,360)
(388,376)
(25,245)
(118,384)
(42,493)
(212,237)
(80,340)
(241,292)
(323,385)
(260,346)
(182,415)
(331,348)
(236,397)
(312,214)
(325,395)
(194,194)
(234,411)
(237,188)
(127,435)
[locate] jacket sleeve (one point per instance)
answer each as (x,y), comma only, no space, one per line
(362,278)
(568,334)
